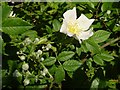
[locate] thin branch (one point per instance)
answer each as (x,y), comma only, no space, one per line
(108,43)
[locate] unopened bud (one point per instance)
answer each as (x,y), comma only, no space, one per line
(25,66)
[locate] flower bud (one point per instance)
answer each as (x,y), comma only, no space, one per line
(25,66)
(49,46)
(36,40)
(26,82)
(42,59)
(27,41)
(17,73)
(108,11)
(39,52)
(44,72)
(22,58)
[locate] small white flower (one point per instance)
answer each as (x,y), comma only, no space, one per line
(78,28)
(25,66)
(26,82)
(22,58)
(108,11)
(17,73)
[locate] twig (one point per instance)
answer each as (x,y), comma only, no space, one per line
(108,43)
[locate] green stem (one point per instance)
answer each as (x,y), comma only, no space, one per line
(48,71)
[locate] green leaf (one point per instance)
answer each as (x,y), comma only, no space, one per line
(78,51)
(95,84)
(106,6)
(5,11)
(49,61)
(71,65)
(100,36)
(59,75)
(70,74)
(30,33)
(12,65)
(92,46)
(98,60)
(53,69)
(65,55)
(56,25)
(107,57)
(15,26)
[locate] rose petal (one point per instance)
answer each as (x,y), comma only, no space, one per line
(85,35)
(63,28)
(84,22)
(70,15)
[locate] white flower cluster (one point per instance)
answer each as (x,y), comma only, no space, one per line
(27,41)
(47,48)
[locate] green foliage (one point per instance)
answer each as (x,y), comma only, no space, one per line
(101,36)
(49,61)
(71,65)
(59,74)
(37,56)
(65,55)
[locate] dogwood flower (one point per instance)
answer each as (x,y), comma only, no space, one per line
(78,28)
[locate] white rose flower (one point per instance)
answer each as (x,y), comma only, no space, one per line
(26,82)
(25,66)
(78,28)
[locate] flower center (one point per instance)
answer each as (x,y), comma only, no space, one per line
(74,28)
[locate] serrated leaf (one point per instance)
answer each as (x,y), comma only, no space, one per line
(15,26)
(98,60)
(95,84)
(100,36)
(106,6)
(65,55)
(59,75)
(5,11)
(49,61)
(30,33)
(92,46)
(56,25)
(107,57)
(71,65)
